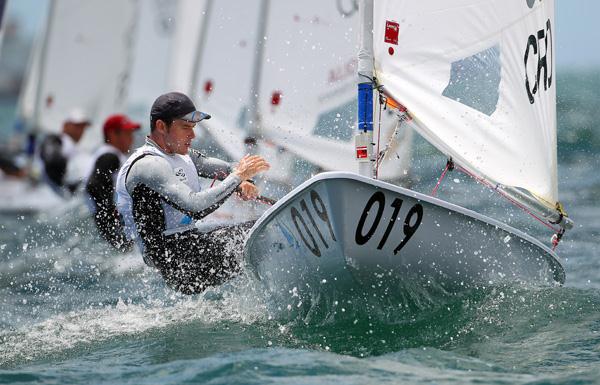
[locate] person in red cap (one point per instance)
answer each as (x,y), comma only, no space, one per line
(100,186)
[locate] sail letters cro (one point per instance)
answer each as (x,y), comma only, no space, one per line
(540,46)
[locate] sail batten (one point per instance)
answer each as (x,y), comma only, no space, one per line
(479,79)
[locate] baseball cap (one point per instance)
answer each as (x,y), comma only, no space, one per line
(175,105)
(78,116)
(119,122)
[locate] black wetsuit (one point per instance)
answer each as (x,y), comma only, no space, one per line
(189,260)
(55,163)
(101,189)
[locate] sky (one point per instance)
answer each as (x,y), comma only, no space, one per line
(577,28)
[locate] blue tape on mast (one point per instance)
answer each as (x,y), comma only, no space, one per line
(365,107)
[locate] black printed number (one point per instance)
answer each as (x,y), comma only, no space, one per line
(412,221)
(306,233)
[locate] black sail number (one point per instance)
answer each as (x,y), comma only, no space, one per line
(412,221)
(312,246)
(302,226)
(378,198)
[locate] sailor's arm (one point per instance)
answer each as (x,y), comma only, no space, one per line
(210,167)
(156,174)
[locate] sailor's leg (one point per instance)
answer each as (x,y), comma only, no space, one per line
(195,260)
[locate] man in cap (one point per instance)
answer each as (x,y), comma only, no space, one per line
(159,196)
(57,150)
(118,137)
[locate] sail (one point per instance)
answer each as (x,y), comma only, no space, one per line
(307,93)
(79,63)
(220,80)
(153,46)
(186,53)
(479,78)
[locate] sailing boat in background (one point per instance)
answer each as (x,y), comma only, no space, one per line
(482,93)
(77,62)
(280,75)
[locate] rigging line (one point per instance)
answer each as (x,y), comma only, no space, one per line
(378,159)
(449,166)
(371,79)
(507,197)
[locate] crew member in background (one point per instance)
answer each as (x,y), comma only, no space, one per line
(100,186)
(159,196)
(57,150)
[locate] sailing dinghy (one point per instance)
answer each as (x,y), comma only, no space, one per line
(477,80)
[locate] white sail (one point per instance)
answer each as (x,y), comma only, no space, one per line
(154,43)
(308,92)
(80,63)
(223,68)
(479,78)
(187,50)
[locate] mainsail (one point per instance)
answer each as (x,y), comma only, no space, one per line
(479,78)
(308,100)
(79,63)
(304,103)
(214,64)
(153,43)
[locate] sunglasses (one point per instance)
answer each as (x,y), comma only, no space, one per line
(194,117)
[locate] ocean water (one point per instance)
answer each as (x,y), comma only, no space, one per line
(73,311)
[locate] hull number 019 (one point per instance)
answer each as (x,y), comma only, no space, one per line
(311,229)
(376,206)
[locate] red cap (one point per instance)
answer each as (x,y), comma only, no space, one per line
(119,122)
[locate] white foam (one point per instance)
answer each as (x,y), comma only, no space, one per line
(237,301)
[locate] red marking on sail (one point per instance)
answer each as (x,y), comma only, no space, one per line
(391,50)
(208,87)
(276,98)
(391,32)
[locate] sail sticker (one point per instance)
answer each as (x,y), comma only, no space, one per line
(475,81)
(391,32)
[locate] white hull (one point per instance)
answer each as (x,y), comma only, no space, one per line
(22,196)
(331,231)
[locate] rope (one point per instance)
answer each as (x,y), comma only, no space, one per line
(378,159)
(511,200)
(449,166)
(556,238)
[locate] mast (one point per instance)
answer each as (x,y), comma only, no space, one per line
(41,72)
(364,137)
(253,124)
(200,47)
(2,11)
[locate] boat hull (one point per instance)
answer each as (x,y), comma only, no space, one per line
(350,233)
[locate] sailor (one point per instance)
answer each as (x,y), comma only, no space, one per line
(56,152)
(100,186)
(159,196)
